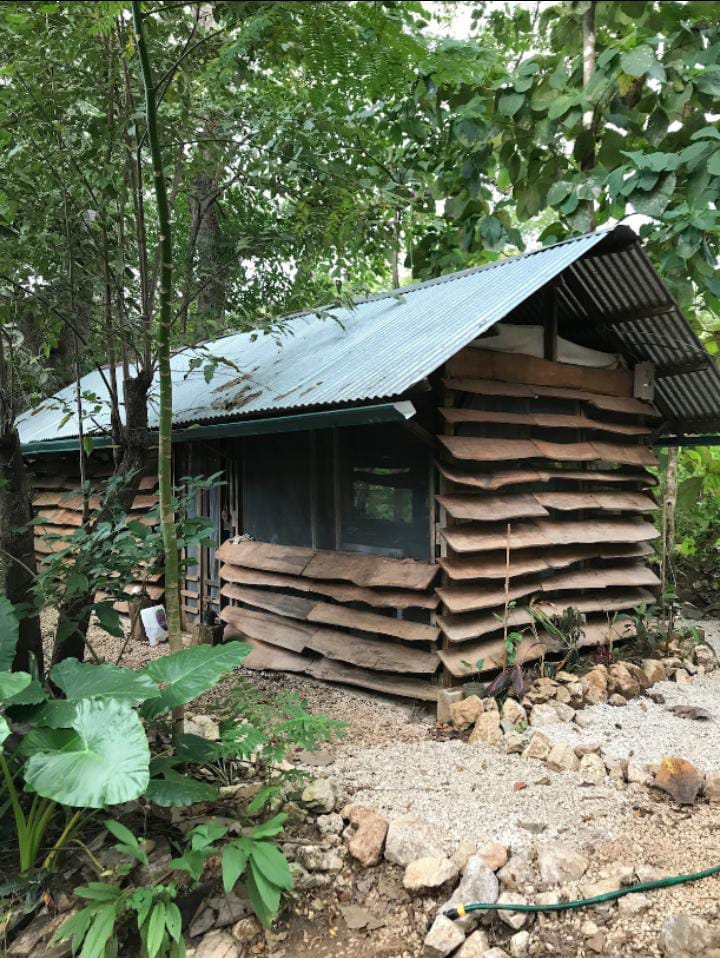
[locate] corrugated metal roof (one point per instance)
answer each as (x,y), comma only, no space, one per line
(391,341)
(623,281)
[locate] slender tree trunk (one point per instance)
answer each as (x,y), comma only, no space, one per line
(167,515)
(588,39)
(17,546)
(668,517)
(17,539)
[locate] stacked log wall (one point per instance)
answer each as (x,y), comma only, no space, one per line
(58,504)
(344,617)
(545,484)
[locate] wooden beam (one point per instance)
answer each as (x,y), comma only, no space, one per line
(632,315)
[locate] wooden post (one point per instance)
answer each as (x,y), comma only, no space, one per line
(668,517)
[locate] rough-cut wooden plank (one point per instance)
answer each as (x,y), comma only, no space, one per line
(47,499)
(290,606)
(144,502)
(546,532)
(618,501)
(372,622)
(634,574)
(527,561)
(147,483)
(489,387)
(391,685)
(492,450)
(371,570)
(492,653)
(543,420)
(266,627)
(493,508)
(373,654)
(470,598)
(463,628)
(389,598)
(490,481)
(60,517)
(269,657)
(42,481)
(520,368)
(367,653)
(362,570)
(308,610)
(264,555)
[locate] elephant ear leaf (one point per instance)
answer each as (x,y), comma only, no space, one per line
(82,680)
(9,632)
(12,684)
(109,764)
(4,729)
(186,674)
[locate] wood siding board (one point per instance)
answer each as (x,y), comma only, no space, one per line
(373,654)
(393,598)
(264,656)
(266,556)
(493,508)
(462,628)
(617,501)
(273,629)
(542,420)
(309,610)
(371,570)
(490,481)
(360,569)
(492,651)
(331,671)
(520,368)
(492,450)
(528,561)
(488,387)
(327,614)
(548,533)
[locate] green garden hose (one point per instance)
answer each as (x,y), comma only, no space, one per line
(461,910)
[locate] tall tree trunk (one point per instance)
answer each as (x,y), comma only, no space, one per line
(167,515)
(17,540)
(588,41)
(17,545)
(211,298)
(134,448)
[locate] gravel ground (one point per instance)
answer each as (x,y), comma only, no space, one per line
(649,731)
(475,793)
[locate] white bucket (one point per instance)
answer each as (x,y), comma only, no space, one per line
(154,622)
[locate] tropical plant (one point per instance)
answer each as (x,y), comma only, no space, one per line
(89,749)
(253,857)
(566,629)
(89,569)
(261,733)
(94,930)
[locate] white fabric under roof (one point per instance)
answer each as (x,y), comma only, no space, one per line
(528,340)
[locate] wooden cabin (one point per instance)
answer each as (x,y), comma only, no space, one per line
(401,476)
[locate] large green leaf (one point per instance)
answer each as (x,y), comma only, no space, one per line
(4,729)
(109,765)
(638,61)
(9,631)
(187,674)
(48,740)
(83,680)
(12,683)
(174,789)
